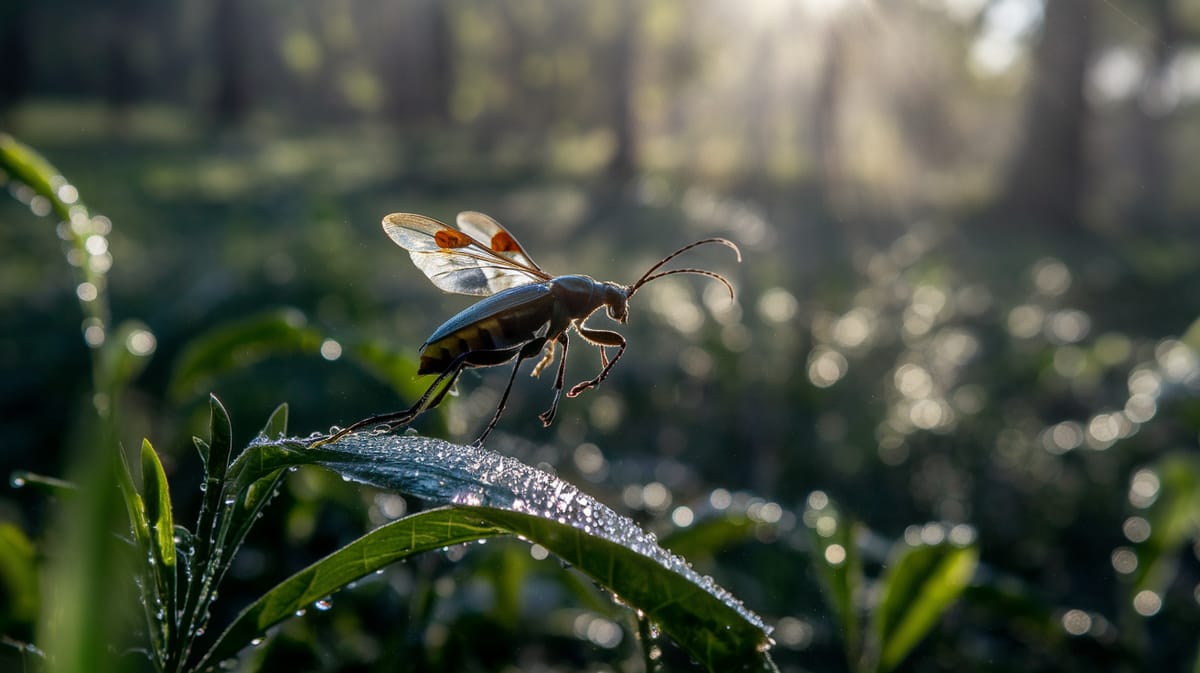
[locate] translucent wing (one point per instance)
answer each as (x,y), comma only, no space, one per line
(487,230)
(480,259)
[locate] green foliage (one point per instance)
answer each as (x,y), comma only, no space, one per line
(1172,489)
(492,495)
(19,600)
(834,545)
(241,344)
(886,602)
(920,583)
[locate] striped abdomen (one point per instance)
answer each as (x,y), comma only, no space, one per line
(491,331)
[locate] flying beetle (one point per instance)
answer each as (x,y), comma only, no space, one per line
(525,310)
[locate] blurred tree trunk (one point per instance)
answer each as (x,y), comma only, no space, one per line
(623,164)
(843,225)
(231,100)
(825,130)
(421,65)
(1151,163)
(1046,176)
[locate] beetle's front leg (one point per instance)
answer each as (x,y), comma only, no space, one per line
(599,338)
(547,416)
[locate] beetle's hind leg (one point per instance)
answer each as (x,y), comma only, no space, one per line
(547,416)
(432,397)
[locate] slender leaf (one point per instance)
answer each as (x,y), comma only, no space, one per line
(158,506)
(276,425)
(835,557)
(206,554)
(920,584)
(162,576)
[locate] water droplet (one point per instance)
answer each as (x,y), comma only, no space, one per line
(323,604)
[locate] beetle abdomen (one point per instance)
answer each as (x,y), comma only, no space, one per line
(491,330)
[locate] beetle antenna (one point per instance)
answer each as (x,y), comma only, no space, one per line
(650,275)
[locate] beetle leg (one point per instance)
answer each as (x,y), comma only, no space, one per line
(397,419)
(600,338)
(530,349)
(547,416)
(546,360)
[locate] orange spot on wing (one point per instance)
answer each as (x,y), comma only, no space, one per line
(504,242)
(449,238)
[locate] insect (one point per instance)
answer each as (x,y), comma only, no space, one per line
(526,311)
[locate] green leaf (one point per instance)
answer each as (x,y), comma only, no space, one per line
(18,579)
(832,539)
(920,584)
(1173,517)
(240,344)
(219,448)
(157,496)
(495,495)
(158,507)
(713,632)
(276,425)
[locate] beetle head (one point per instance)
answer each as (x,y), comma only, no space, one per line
(616,300)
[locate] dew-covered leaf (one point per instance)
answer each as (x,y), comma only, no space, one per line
(493,495)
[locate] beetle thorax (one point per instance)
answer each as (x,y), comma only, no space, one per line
(582,295)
